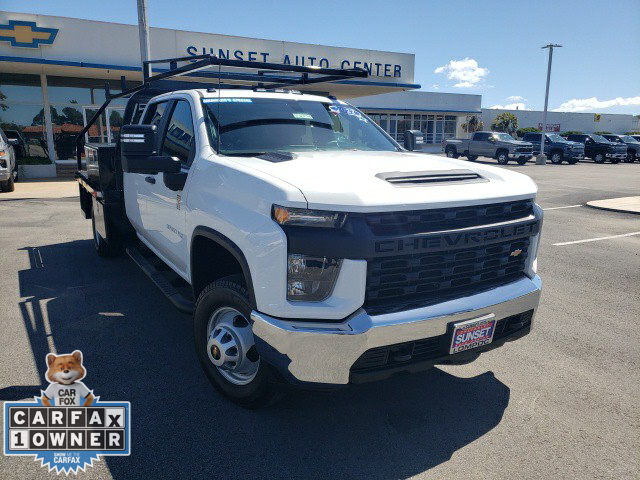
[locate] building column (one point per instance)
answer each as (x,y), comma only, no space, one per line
(47,117)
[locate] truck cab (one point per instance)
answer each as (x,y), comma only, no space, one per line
(309,246)
(599,149)
(557,148)
(501,146)
(632,144)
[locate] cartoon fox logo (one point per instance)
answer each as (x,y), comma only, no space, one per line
(64,373)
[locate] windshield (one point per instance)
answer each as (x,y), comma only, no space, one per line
(554,137)
(629,138)
(599,138)
(505,137)
(251,126)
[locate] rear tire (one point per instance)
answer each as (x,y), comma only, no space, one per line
(103,249)
(556,158)
(222,333)
(472,158)
(599,158)
(451,152)
(502,157)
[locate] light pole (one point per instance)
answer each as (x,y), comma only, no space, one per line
(143,28)
(542,158)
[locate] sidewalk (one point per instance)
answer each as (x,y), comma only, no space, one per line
(42,188)
(624,204)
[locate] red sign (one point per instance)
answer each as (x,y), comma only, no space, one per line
(551,127)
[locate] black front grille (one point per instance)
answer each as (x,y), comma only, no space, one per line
(409,281)
(424,221)
(430,348)
(524,149)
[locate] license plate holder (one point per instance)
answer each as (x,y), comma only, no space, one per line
(472,333)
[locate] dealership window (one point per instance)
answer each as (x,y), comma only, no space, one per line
(74,101)
(22,113)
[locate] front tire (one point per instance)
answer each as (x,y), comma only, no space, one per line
(556,158)
(224,344)
(599,158)
(631,155)
(502,157)
(8,186)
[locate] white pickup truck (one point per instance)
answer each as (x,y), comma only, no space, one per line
(309,246)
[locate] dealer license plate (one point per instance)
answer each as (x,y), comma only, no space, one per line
(473,333)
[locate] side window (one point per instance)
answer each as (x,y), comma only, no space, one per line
(154,113)
(480,136)
(179,139)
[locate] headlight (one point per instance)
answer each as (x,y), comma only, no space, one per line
(307,218)
(310,278)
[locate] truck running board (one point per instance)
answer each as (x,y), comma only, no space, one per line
(159,273)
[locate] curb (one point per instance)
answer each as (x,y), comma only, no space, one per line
(617,205)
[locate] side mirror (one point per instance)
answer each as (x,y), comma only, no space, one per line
(13,141)
(492,139)
(138,143)
(152,164)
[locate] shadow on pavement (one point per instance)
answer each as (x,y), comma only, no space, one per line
(138,348)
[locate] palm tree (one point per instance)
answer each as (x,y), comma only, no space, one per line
(473,124)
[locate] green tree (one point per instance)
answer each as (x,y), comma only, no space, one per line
(72,115)
(505,122)
(602,133)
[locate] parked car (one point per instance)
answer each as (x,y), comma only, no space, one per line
(556,148)
(599,148)
(307,244)
(19,144)
(636,137)
(633,145)
(8,167)
(501,146)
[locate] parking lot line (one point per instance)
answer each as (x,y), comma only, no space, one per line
(558,208)
(597,239)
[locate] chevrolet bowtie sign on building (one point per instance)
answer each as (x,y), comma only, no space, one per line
(26,34)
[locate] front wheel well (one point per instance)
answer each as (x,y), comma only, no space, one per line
(212,259)
(501,150)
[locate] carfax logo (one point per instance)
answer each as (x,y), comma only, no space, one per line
(67,427)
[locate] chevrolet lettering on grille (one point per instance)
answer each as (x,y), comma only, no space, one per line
(427,242)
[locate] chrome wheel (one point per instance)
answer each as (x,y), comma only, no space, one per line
(230,346)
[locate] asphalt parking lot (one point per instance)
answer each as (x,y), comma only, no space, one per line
(564,402)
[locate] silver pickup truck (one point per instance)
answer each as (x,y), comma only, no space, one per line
(501,146)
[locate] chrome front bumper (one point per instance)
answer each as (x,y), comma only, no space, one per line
(616,155)
(324,352)
(520,154)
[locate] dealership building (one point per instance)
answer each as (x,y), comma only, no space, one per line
(53,71)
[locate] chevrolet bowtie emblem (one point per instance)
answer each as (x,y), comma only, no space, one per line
(26,34)
(515,253)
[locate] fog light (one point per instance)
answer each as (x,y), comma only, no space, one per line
(310,279)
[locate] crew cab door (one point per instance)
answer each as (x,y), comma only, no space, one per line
(479,143)
(163,215)
(136,185)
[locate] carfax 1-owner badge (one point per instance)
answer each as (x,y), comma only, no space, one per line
(67,427)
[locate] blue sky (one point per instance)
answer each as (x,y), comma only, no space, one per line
(483,47)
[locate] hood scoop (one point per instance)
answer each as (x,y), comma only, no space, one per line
(431,178)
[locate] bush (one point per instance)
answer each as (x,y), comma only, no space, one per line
(521,131)
(602,133)
(570,132)
(632,133)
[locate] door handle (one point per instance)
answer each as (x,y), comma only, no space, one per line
(150,180)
